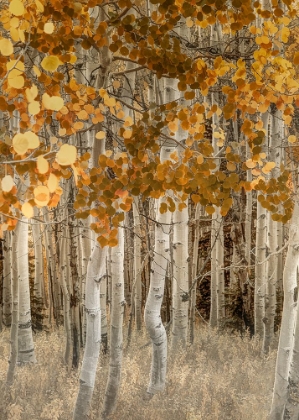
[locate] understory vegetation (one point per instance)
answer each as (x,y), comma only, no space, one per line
(221,376)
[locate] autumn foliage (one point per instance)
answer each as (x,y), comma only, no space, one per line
(47,107)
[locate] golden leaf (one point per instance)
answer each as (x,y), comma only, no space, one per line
(7,183)
(41,195)
(292,139)
(67,155)
(34,108)
(42,165)
(17,8)
(52,183)
(33,140)
(100,135)
(27,210)
(268,167)
(49,28)
(127,134)
(31,93)
(250,164)
(51,63)
(128,121)
(6,47)
(54,103)
(20,143)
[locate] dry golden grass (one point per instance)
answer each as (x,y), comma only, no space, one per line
(220,377)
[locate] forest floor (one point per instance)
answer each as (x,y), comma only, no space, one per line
(221,377)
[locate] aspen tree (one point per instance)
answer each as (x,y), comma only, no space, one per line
(116,323)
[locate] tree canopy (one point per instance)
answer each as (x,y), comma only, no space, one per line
(49,104)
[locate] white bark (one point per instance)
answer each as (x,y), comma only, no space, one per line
(194,272)
(286,340)
(180,281)
(39,287)
(260,255)
(15,309)
(152,314)
(137,263)
(96,270)
(64,279)
(116,330)
(25,339)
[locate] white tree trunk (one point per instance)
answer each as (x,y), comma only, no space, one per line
(137,263)
(116,323)
(260,255)
(180,280)
(152,314)
(15,308)
(96,271)
(25,339)
(286,340)
(39,287)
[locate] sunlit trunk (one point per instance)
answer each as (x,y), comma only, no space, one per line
(116,324)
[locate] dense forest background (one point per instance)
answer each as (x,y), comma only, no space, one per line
(149,209)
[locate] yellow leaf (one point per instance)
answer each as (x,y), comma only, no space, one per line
(52,183)
(31,93)
(189,22)
(17,8)
(210,209)
(173,125)
(39,6)
(20,144)
(100,135)
(41,195)
(231,166)
(14,64)
(27,210)
(51,63)
(199,159)
(127,134)
(15,80)
(33,140)
(109,101)
(34,108)
(250,164)
(49,28)
(55,103)
(42,165)
(268,167)
(292,139)
(128,121)
(7,183)
(14,22)
(67,155)
(6,47)
(14,34)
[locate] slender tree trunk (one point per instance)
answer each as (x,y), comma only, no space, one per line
(15,309)
(96,271)
(116,330)
(25,339)
(286,339)
(64,280)
(152,314)
(39,288)
(261,253)
(7,279)
(137,264)
(180,278)
(104,322)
